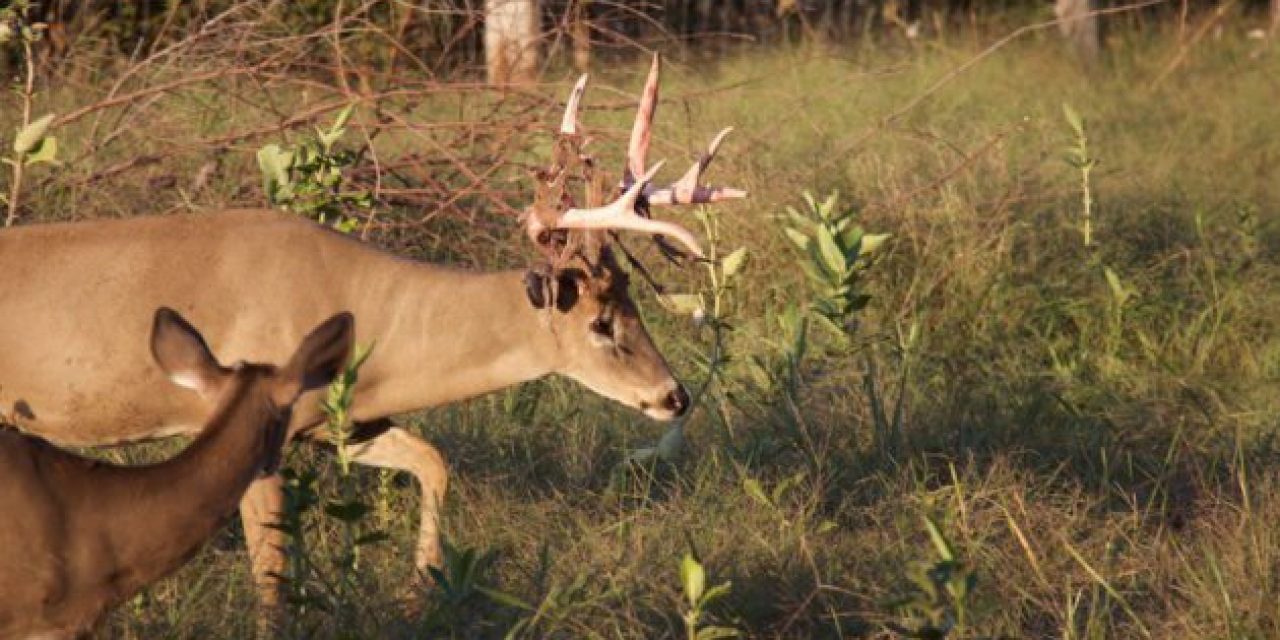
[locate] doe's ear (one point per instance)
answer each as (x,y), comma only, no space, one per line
(182,354)
(320,357)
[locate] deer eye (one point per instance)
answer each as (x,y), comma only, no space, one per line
(602,327)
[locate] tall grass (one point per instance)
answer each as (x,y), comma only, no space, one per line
(1098,450)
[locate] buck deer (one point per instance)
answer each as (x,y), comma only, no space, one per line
(256,279)
(81,536)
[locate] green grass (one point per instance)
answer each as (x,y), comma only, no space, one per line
(1105,470)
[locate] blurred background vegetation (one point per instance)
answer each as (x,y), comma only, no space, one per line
(1004,430)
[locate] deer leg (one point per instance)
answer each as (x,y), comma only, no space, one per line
(261,506)
(398,449)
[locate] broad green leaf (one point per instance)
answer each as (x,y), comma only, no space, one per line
(327,138)
(505,599)
(684,303)
(46,151)
(808,199)
(6,32)
(31,135)
(830,324)
(871,243)
(1073,119)
(1119,292)
(715,593)
(800,219)
(753,489)
(940,542)
(799,239)
(693,578)
(781,488)
(275,162)
(832,256)
(734,262)
(828,207)
(343,118)
(850,234)
(759,373)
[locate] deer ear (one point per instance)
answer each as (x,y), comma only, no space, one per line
(320,357)
(182,354)
(535,286)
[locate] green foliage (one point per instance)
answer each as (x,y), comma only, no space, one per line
(458,586)
(1080,158)
(32,143)
(330,585)
(711,308)
(308,179)
(693,581)
(15,25)
(556,609)
(337,405)
(836,254)
(938,604)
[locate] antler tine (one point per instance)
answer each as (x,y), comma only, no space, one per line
(569,124)
(687,189)
(638,149)
(621,214)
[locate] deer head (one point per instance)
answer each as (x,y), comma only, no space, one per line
(581,284)
(180,351)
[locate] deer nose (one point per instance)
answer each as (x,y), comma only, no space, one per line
(677,402)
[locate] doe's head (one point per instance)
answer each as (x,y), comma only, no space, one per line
(269,391)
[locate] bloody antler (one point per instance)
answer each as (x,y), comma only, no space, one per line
(688,189)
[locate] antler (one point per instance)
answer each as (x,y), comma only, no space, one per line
(569,123)
(687,190)
(621,214)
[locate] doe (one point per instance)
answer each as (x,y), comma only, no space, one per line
(81,536)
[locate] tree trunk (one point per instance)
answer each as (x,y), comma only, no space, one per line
(580,33)
(1275,17)
(1080,27)
(511,40)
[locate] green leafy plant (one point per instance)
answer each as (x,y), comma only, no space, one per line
(1079,157)
(329,586)
(710,308)
(837,252)
(308,179)
(693,580)
(32,143)
(941,588)
(554,610)
(457,583)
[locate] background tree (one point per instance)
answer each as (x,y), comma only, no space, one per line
(1080,26)
(511,30)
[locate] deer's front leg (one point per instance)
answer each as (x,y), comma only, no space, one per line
(261,506)
(398,449)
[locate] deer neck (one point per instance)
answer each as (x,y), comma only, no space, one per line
(186,498)
(446,335)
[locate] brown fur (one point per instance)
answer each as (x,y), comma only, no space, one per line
(82,536)
(254,281)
